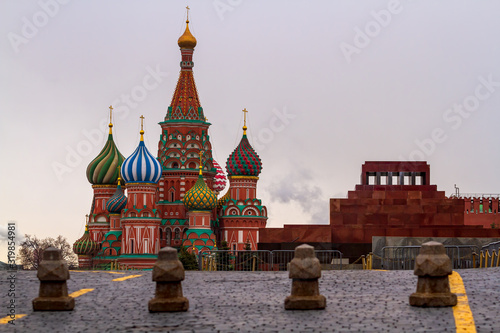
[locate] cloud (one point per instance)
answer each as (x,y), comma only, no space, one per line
(298,188)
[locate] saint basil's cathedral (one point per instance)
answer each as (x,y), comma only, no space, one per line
(172,199)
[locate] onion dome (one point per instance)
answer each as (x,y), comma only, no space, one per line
(187,40)
(85,245)
(220,179)
(244,161)
(141,166)
(200,196)
(118,201)
(103,170)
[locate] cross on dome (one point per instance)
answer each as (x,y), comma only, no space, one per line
(201,154)
(110,122)
(245,121)
(142,127)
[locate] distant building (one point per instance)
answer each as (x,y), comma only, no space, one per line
(394,201)
(171,199)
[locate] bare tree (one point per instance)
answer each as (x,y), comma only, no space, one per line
(31,251)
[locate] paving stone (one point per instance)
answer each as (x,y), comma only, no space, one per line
(373,301)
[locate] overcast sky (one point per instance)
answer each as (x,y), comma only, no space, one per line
(328,85)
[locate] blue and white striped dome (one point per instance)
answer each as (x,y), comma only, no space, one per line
(141,166)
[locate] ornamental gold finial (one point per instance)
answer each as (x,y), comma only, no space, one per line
(86,222)
(187,14)
(245,121)
(142,127)
(119,178)
(201,166)
(110,122)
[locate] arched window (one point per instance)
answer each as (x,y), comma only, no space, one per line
(177,234)
(131,246)
(161,233)
(175,165)
(168,235)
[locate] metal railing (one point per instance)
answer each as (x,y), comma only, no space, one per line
(262,260)
(476,195)
(487,259)
(367,261)
(491,246)
(489,256)
(403,257)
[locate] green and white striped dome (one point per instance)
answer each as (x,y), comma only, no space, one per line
(103,170)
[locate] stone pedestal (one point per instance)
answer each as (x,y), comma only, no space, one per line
(432,267)
(305,270)
(168,273)
(53,274)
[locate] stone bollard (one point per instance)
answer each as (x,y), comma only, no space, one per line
(168,273)
(305,271)
(433,267)
(53,273)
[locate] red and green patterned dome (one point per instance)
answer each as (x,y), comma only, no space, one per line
(200,197)
(85,245)
(244,161)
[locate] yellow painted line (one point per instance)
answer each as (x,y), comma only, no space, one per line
(5,320)
(80,292)
(99,272)
(464,321)
(126,277)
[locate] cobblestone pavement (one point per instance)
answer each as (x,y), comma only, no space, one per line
(357,301)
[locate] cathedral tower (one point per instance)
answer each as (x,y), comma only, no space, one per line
(140,218)
(102,173)
(241,214)
(184,136)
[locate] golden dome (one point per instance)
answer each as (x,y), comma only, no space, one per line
(187,40)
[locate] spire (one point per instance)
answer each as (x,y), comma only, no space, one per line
(119,178)
(245,121)
(185,104)
(201,165)
(142,127)
(110,123)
